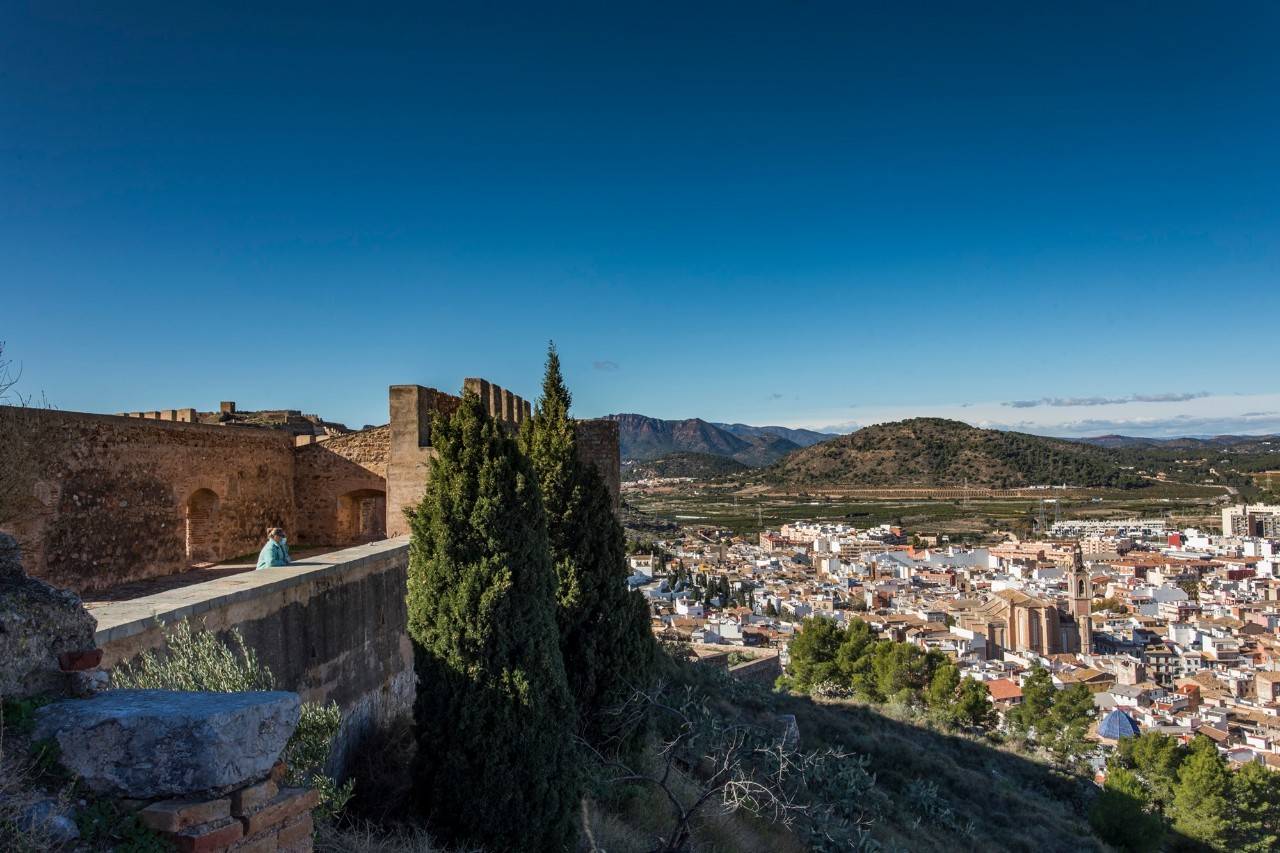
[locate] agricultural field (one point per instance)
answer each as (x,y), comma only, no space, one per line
(747,511)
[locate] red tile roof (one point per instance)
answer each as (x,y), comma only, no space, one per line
(1002,690)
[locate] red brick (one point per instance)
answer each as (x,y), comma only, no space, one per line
(210,838)
(295,836)
(263,842)
(177,815)
(79,661)
(247,800)
(286,804)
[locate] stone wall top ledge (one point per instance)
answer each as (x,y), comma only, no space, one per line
(122,619)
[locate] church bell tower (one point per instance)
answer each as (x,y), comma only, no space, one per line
(1081,591)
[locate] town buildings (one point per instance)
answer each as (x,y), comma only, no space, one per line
(1179,630)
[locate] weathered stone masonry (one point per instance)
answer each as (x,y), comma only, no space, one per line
(111,499)
(107,499)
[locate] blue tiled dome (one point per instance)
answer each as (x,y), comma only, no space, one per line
(1118,725)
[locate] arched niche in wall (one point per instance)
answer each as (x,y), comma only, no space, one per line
(202,526)
(362,516)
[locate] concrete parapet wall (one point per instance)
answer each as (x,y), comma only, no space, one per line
(332,628)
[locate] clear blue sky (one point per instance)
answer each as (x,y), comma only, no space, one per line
(802,213)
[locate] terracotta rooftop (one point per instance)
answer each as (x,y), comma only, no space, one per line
(1003,690)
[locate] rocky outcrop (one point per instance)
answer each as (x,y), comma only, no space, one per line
(145,744)
(38,624)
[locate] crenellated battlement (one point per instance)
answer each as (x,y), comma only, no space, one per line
(499,403)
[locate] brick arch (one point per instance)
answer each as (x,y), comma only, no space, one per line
(201,515)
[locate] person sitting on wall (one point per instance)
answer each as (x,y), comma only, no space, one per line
(276,551)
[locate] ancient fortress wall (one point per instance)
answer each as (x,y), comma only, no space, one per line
(332,628)
(100,499)
(97,500)
(339,488)
(598,445)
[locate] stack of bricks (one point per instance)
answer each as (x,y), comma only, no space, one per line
(259,818)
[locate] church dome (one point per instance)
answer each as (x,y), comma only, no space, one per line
(1118,725)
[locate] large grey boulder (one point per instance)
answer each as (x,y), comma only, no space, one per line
(37,624)
(162,743)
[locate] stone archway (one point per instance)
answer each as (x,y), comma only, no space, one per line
(202,526)
(362,516)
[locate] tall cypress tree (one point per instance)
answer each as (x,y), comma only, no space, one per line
(604,628)
(494,713)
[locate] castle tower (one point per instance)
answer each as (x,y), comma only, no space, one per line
(1081,597)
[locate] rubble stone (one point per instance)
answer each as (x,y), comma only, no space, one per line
(163,743)
(38,623)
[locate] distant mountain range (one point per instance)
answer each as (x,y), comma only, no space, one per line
(643,438)
(1242,443)
(800,437)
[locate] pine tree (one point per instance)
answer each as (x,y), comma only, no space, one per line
(941,693)
(1119,815)
(604,632)
(494,713)
(1037,699)
(1155,757)
(813,653)
(1255,816)
(1068,723)
(972,705)
(1200,805)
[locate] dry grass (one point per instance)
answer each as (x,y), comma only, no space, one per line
(371,838)
(19,792)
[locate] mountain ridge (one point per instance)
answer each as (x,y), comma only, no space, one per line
(643,438)
(939,452)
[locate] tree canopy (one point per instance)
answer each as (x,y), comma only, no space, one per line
(494,711)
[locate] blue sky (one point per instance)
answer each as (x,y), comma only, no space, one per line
(799,213)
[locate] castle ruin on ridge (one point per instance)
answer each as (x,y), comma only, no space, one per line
(97,500)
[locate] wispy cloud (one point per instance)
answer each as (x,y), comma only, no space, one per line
(1166,427)
(838,429)
(605,365)
(1174,397)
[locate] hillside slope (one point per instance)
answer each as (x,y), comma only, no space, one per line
(700,466)
(912,787)
(644,438)
(937,452)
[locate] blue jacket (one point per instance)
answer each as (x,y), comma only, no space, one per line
(273,554)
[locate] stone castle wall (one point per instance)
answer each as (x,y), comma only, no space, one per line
(598,445)
(337,484)
(103,499)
